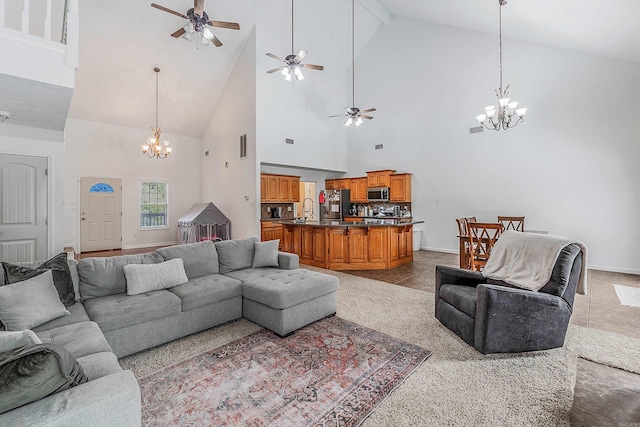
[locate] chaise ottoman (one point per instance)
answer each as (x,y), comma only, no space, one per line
(286,300)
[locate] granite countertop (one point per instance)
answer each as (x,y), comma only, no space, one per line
(364,223)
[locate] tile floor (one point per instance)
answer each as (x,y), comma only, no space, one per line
(603,396)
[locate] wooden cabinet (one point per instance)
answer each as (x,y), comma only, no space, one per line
(306,243)
(263,188)
(377,247)
(377,179)
(294,185)
(400,243)
(279,188)
(271,231)
(284,189)
(359,190)
(358,239)
(272,189)
(337,184)
(400,187)
(338,245)
(319,244)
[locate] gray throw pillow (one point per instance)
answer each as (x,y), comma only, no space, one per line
(266,254)
(235,254)
(200,259)
(34,372)
(30,303)
(143,278)
(61,276)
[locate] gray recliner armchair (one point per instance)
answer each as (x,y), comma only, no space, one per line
(495,317)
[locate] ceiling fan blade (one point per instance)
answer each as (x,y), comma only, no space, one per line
(173,12)
(370,110)
(178,33)
(339,115)
(366,117)
(227,25)
(275,57)
(301,55)
(198,7)
(312,67)
(275,70)
(216,41)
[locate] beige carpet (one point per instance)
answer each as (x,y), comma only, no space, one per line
(456,385)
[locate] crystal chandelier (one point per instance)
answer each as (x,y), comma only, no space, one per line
(506,114)
(154,147)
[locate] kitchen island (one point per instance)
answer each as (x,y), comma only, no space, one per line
(369,244)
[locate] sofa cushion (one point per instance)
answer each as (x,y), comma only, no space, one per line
(265,254)
(30,303)
(59,269)
(143,278)
(31,373)
(200,259)
(119,311)
(78,314)
(235,254)
(81,339)
(104,276)
(281,289)
(10,340)
(98,365)
(461,297)
(206,290)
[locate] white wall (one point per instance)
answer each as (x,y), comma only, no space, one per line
(570,168)
(233,187)
(301,110)
(101,150)
(42,143)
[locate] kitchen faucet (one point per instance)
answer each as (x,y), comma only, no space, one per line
(304,212)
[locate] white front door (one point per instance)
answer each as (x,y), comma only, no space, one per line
(23,208)
(100,214)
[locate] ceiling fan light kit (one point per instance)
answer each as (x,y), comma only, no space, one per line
(198,23)
(354,114)
(293,62)
(505,115)
(154,147)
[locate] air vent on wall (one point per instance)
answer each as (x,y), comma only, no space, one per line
(289,141)
(379,146)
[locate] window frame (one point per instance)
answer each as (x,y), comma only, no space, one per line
(166,203)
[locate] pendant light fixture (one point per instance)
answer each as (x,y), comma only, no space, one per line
(294,62)
(506,114)
(154,147)
(354,115)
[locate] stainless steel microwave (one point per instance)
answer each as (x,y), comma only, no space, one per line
(378,194)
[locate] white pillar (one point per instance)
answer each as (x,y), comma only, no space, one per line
(73,33)
(47,21)
(25,16)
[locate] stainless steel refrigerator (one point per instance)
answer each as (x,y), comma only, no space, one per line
(335,204)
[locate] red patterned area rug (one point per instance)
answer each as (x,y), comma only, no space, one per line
(331,373)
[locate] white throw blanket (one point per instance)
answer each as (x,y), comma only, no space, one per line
(526,260)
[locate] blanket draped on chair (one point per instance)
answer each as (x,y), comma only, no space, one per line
(526,260)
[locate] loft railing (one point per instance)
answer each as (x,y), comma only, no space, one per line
(41,19)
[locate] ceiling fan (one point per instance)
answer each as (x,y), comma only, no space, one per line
(354,114)
(293,62)
(198,23)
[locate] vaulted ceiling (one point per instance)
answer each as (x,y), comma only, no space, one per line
(122,40)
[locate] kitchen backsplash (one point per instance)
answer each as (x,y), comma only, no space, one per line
(270,210)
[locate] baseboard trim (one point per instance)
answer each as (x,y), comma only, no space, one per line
(149,245)
(614,269)
(446,251)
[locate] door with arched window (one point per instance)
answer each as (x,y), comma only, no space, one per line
(100,214)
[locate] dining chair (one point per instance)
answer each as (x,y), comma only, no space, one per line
(463,237)
(482,237)
(515,223)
